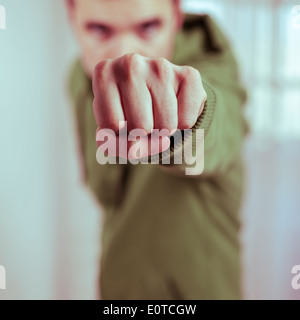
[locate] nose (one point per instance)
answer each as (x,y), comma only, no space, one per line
(123,45)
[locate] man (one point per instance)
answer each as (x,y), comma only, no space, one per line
(166,234)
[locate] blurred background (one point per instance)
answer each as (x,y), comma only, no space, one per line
(50,224)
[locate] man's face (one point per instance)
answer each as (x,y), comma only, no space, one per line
(108,29)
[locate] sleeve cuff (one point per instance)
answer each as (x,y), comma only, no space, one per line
(188,143)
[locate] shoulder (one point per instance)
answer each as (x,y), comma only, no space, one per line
(211,31)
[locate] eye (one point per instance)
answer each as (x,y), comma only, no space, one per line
(99,30)
(149,29)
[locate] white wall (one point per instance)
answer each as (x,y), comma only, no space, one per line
(47,219)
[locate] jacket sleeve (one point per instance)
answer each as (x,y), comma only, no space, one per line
(222,121)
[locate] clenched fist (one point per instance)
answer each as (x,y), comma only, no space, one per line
(147,93)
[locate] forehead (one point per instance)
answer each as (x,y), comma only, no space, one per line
(123,10)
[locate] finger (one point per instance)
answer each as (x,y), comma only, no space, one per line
(191,97)
(137,105)
(107,105)
(164,107)
(161,86)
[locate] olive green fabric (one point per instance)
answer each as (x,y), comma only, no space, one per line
(167,235)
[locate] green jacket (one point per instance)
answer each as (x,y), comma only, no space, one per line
(167,235)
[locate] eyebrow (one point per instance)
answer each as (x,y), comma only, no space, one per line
(154,20)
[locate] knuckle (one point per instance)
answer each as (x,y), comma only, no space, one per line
(131,67)
(191,74)
(162,68)
(100,69)
(133,58)
(100,75)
